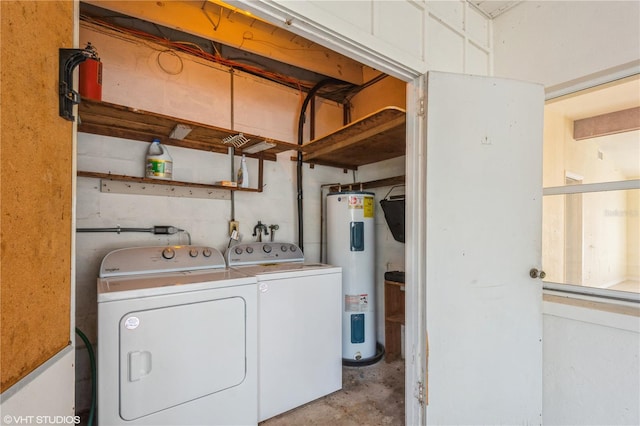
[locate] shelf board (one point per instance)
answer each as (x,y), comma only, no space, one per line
(361,186)
(376,137)
(161,182)
(397,318)
(103,118)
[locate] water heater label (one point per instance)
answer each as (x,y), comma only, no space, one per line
(362,203)
(368,207)
(355,202)
(356,302)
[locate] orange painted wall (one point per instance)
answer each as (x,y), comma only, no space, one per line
(35,187)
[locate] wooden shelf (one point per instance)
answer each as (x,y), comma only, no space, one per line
(393,318)
(361,186)
(162,182)
(376,137)
(398,318)
(103,118)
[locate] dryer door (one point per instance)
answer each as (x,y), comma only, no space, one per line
(175,354)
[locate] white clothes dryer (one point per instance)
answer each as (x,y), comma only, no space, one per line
(299,324)
(177,339)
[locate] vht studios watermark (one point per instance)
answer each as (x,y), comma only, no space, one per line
(40,420)
(621,213)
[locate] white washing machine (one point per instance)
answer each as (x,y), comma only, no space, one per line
(177,339)
(299,324)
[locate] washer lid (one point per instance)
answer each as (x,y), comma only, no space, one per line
(276,271)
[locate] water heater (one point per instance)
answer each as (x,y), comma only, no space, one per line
(351,245)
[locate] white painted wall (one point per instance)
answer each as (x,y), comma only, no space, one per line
(590,363)
(45,396)
(591,367)
(458,38)
(554,42)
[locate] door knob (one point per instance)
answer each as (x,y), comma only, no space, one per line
(534,273)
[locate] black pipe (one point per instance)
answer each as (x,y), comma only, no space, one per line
(309,96)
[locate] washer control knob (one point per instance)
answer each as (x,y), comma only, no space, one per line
(168,253)
(249,250)
(266,248)
(193,253)
(283,248)
(206,252)
(238,250)
(292,247)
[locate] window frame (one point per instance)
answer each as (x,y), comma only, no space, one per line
(603,78)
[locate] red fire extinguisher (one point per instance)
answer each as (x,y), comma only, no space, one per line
(90,75)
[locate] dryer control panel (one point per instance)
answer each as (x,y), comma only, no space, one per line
(155,259)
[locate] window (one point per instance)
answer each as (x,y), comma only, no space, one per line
(591,179)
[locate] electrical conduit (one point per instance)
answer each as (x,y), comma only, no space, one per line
(307,99)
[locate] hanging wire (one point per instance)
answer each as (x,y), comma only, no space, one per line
(204,10)
(164,68)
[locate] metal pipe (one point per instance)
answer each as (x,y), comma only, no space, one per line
(157,229)
(117,229)
(231,149)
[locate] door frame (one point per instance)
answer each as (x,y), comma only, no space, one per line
(415,185)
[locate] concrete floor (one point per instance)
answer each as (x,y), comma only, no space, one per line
(371,395)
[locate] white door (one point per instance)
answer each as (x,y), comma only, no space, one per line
(483,230)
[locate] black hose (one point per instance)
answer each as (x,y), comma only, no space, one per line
(92,361)
(308,98)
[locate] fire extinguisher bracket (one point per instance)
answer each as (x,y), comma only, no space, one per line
(68,60)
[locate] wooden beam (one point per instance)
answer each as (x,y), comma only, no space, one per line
(607,124)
